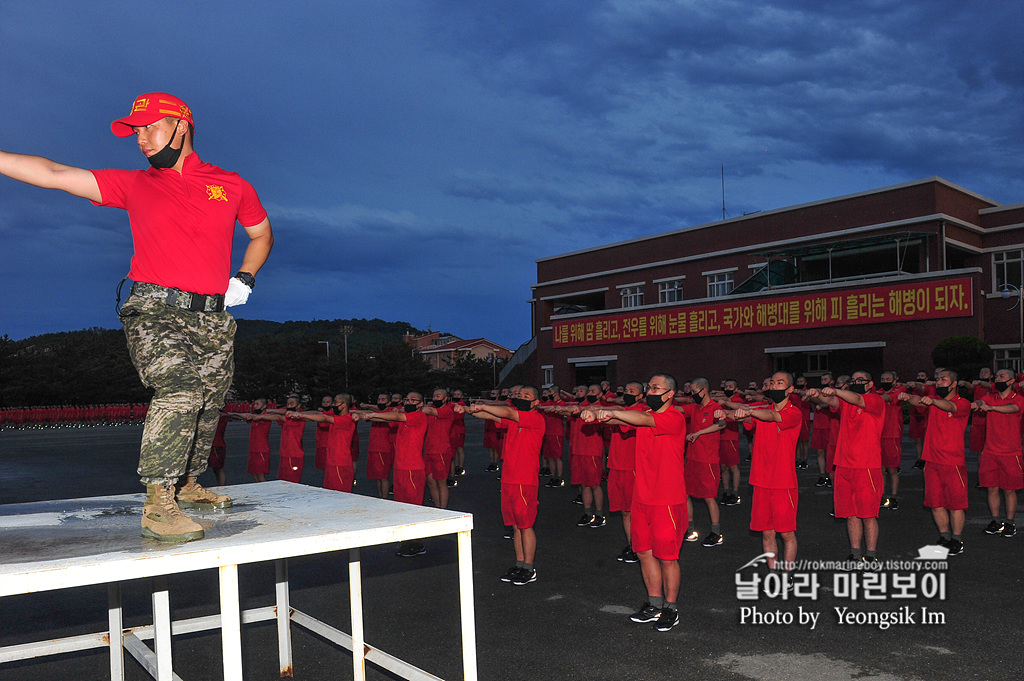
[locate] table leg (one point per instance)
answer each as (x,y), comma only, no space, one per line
(230,623)
(284,633)
(162,629)
(355,585)
(115,627)
(467,606)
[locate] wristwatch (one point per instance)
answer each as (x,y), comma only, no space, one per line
(246,279)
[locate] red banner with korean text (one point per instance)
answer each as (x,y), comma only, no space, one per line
(876,305)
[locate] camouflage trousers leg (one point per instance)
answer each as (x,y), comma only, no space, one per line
(188,359)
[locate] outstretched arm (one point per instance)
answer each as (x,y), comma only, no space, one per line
(42,172)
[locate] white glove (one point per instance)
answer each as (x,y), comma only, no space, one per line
(237,293)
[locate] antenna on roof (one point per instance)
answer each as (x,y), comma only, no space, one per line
(723,191)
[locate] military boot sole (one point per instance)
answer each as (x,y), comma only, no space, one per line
(203,505)
(173,538)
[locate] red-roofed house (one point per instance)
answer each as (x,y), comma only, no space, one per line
(441,352)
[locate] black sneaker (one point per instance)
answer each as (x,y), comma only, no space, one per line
(544,471)
(885,502)
(691,536)
(1009,530)
(524,576)
(994,527)
(578,499)
(559,482)
(735,500)
(872,564)
(411,551)
(919,463)
(646,613)
(668,618)
(630,557)
(510,575)
(551,483)
(598,521)
(509,533)
(452,482)
(585,520)
(828,482)
(459,470)
(491,467)
(956,547)
(713,539)
(894,504)
(822,481)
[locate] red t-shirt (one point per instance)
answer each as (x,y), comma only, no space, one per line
(339,440)
(380,440)
(182,224)
(259,436)
(860,433)
(944,438)
(893,426)
(409,445)
(323,428)
(772,464)
(659,460)
(291,438)
(588,439)
(705,447)
(622,448)
(1002,433)
(439,431)
(521,455)
(554,424)
(732,428)
(218,437)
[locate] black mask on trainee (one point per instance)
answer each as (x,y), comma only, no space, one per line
(521,404)
(168,156)
(395,403)
(886,385)
(859,388)
(655,402)
(437,403)
(382,405)
(409,408)
(591,398)
(258,411)
(1002,385)
(629,400)
(945,392)
(729,393)
(337,410)
(776,395)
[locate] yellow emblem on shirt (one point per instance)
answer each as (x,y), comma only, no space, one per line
(216,193)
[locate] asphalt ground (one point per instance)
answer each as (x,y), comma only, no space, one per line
(573,623)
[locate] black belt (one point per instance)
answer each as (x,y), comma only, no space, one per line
(197,302)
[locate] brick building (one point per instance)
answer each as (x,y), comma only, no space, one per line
(874,280)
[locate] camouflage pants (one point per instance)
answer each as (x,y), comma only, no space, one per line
(188,358)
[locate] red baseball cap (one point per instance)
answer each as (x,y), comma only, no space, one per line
(150,108)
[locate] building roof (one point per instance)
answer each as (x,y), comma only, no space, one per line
(464,345)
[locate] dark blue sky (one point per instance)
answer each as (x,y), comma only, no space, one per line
(416,157)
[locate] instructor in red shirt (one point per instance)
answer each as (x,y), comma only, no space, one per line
(182,213)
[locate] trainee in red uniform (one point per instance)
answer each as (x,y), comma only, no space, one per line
(892,429)
(945,475)
(437,444)
(259,447)
(293,458)
(380,450)
(338,469)
(729,440)
(658,516)
(219,448)
(1000,464)
(410,474)
(772,472)
(703,474)
(520,468)
(858,458)
(622,465)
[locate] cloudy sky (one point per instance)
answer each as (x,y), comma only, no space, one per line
(417,157)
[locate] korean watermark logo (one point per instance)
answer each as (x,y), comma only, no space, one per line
(863,583)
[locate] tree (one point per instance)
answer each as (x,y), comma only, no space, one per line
(965,355)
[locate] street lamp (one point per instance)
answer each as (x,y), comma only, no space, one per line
(328,344)
(346,331)
(1005,293)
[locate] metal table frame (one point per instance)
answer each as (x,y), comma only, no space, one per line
(298,533)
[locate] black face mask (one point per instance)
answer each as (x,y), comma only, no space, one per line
(776,395)
(337,410)
(729,393)
(591,398)
(629,399)
(382,405)
(395,403)
(619,393)
(258,411)
(437,403)
(409,408)
(859,388)
(168,156)
(945,392)
(521,404)
(655,402)
(886,385)
(1002,385)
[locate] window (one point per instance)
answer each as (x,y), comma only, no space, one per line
(632,296)
(1008,267)
(549,376)
(1007,358)
(720,284)
(817,362)
(670,291)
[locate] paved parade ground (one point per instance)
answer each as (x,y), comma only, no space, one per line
(573,623)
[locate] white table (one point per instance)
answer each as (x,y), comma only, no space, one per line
(76,542)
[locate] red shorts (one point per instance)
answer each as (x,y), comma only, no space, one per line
(830,456)
(819,437)
(217,455)
(945,486)
(620,490)
(702,479)
(519,505)
(586,471)
(457,438)
(659,529)
(290,468)
(917,427)
(891,453)
(774,509)
(1000,470)
(553,446)
(805,431)
(320,457)
(490,439)
(857,492)
(259,463)
(976,441)
(409,486)
(339,478)
(438,464)
(729,452)
(378,465)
